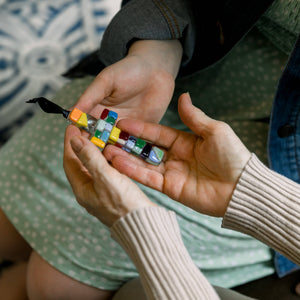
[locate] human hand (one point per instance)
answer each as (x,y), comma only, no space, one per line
(200,169)
(139,86)
(98,187)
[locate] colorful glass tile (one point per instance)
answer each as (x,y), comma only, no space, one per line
(98,134)
(140,143)
(104,136)
(126,149)
(124,135)
(121,142)
(146,151)
(114,135)
(83,120)
(118,145)
(100,144)
(130,143)
(104,114)
(138,148)
(108,127)
(100,125)
(152,158)
(113,114)
(75,115)
(158,152)
(110,120)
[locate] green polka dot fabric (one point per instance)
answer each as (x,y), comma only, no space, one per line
(36,196)
(38,200)
(281,23)
(240,89)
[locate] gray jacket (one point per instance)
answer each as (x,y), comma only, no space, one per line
(208,30)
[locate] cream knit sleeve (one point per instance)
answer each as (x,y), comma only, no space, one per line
(152,239)
(266,205)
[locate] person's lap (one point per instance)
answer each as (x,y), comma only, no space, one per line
(133,289)
(38,201)
(29,275)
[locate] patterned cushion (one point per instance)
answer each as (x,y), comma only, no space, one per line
(40,40)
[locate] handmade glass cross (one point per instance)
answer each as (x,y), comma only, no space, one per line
(103,131)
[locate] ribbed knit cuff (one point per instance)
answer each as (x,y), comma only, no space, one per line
(152,239)
(266,206)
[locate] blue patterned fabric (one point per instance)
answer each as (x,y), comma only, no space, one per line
(40,40)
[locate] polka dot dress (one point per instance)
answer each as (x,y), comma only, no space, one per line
(240,89)
(36,196)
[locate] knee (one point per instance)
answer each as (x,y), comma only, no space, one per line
(12,245)
(40,279)
(44,282)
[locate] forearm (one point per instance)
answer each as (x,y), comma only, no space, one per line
(152,239)
(266,206)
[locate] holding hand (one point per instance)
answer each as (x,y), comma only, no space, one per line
(139,86)
(102,190)
(200,170)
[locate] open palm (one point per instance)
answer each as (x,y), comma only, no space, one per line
(200,170)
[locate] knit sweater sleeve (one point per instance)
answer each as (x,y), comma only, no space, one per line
(152,239)
(266,205)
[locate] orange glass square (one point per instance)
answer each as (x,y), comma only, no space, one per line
(75,115)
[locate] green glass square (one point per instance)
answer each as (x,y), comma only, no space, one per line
(110,120)
(159,153)
(140,143)
(98,134)
(136,150)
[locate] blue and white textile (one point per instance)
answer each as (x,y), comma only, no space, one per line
(40,40)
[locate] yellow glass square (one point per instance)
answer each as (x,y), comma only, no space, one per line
(99,143)
(83,120)
(114,135)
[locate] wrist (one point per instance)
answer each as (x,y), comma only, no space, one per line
(160,54)
(130,210)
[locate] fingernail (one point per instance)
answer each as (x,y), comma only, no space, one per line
(76,144)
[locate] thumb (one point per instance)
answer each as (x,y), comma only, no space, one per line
(89,155)
(97,91)
(193,117)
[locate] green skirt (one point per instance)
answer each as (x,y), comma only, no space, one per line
(37,198)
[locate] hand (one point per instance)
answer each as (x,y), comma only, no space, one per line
(139,86)
(99,188)
(200,170)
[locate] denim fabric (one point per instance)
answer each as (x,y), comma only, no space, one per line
(284,135)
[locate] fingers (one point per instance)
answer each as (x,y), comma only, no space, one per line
(157,134)
(164,136)
(135,168)
(193,117)
(97,91)
(90,157)
(75,171)
(69,155)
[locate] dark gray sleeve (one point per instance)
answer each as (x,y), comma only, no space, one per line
(148,20)
(207,30)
